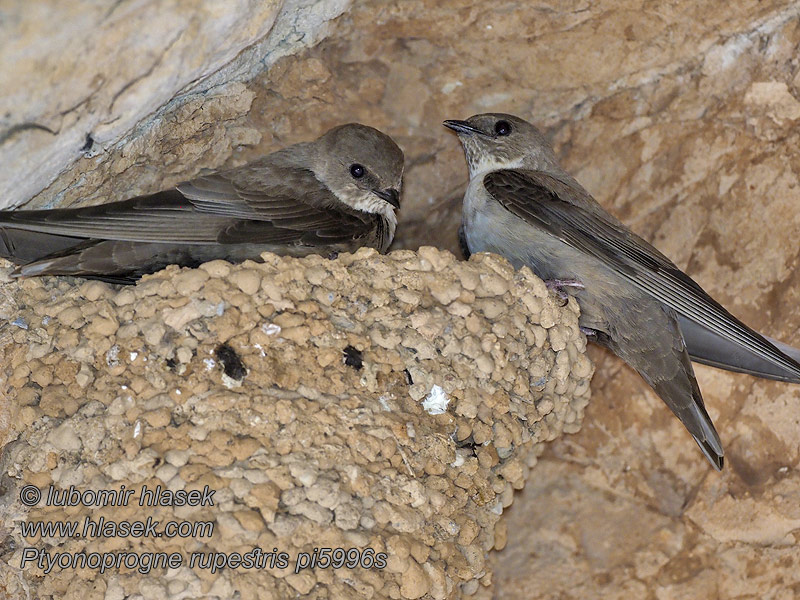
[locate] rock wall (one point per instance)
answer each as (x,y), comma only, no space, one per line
(81,80)
(381,405)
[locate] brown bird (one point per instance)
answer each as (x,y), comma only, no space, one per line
(335,194)
(522,205)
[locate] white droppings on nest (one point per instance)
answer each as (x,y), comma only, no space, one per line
(112,356)
(436,401)
(271,328)
(230,382)
(210,363)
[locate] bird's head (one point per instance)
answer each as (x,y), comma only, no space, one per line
(499,141)
(363,167)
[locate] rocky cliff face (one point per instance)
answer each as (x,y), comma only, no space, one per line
(680,118)
(83,80)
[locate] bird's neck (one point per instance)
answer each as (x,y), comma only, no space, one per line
(391,225)
(480,166)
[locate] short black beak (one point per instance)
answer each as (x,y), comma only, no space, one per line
(392,196)
(461,127)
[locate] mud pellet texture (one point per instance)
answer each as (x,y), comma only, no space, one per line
(391,403)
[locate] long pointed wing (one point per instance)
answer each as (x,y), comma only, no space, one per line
(569,214)
(160,217)
(707,347)
(283,206)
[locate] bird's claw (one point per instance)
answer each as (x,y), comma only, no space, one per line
(558,287)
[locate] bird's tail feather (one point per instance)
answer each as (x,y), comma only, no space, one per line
(688,406)
(709,442)
(655,348)
(20,246)
(716,458)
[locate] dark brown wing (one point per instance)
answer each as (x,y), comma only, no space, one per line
(292,206)
(159,217)
(296,205)
(565,212)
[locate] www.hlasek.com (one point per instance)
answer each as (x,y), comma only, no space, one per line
(107,528)
(144,562)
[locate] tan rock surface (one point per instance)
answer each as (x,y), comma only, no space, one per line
(703,161)
(326,403)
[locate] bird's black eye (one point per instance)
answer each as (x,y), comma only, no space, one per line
(357,171)
(502,128)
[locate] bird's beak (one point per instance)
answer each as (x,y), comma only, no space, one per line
(391,195)
(461,127)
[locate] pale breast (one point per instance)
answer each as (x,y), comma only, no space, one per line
(489,227)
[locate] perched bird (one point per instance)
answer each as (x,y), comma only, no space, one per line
(335,194)
(522,205)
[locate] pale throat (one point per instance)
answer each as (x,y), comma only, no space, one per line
(370,203)
(485,162)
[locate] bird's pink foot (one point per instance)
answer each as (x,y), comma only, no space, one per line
(559,286)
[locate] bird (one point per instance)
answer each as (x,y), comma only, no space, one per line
(522,205)
(335,194)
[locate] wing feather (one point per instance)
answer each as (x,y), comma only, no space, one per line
(570,214)
(258,203)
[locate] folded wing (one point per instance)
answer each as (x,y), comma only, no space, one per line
(573,217)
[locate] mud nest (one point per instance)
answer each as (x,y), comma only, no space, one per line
(387,406)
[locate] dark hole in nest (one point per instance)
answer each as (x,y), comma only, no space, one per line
(353,358)
(232,365)
(468,443)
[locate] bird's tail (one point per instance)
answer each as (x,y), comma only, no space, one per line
(693,414)
(21,246)
(656,349)
(676,385)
